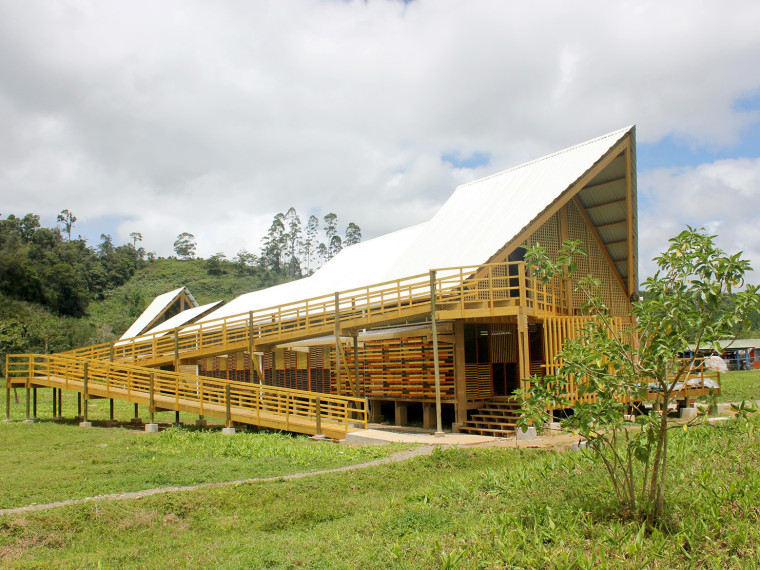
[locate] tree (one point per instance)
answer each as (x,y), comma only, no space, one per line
(274,244)
(184,246)
(684,302)
(135,237)
(331,230)
(245,261)
(353,234)
(293,241)
(310,242)
(67,219)
(215,264)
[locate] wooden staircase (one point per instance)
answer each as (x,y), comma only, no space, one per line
(498,418)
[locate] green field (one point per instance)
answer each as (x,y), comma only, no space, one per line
(740,385)
(468,508)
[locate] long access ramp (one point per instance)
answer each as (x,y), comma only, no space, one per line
(234,402)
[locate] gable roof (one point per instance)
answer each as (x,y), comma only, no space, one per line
(470,229)
(159,307)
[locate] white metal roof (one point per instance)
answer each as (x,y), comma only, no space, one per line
(154,310)
(472,226)
(183,318)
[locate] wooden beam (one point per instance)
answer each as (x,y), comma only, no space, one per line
(607,183)
(600,244)
(629,219)
(610,203)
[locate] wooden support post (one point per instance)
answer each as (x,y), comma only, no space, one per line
(460,374)
(28,418)
(85,392)
(7,397)
(523,345)
(318,413)
(227,407)
(337,345)
(356,365)
(79,406)
(55,403)
(60,402)
(152,402)
(438,426)
(110,409)
(176,417)
(34,403)
(176,349)
(110,353)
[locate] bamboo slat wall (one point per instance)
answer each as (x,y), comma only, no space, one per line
(478,380)
(404,368)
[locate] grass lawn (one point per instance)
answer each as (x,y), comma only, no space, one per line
(50,461)
(466,508)
(740,385)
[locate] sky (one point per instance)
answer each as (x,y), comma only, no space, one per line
(211,117)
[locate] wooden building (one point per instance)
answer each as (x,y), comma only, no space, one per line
(363,324)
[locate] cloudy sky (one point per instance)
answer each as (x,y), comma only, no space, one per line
(210,117)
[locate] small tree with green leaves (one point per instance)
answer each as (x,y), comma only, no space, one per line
(684,304)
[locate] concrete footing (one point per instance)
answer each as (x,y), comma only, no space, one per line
(151,428)
(85,424)
(526,435)
(688,413)
(29,421)
(228,431)
(579,445)
(7,421)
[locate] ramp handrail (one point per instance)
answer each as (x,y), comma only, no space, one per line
(122,381)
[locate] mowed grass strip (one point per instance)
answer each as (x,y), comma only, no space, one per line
(457,508)
(740,385)
(49,462)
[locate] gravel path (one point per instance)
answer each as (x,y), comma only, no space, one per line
(394,458)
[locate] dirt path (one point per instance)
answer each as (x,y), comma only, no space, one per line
(394,458)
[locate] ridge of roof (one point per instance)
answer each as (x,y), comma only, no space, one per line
(618,133)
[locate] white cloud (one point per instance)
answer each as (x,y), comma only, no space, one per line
(211,117)
(721,196)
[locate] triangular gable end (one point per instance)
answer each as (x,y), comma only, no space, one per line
(162,308)
(603,201)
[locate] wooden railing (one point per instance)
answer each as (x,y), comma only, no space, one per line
(691,385)
(459,291)
(283,408)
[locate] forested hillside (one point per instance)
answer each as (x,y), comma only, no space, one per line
(57,292)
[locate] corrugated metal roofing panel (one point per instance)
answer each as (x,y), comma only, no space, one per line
(157,306)
(184,318)
(471,227)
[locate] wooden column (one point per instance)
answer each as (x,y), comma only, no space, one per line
(7,398)
(337,345)
(176,349)
(564,235)
(151,401)
(436,366)
(356,365)
(85,393)
(227,407)
(34,403)
(460,373)
(55,403)
(629,220)
(523,346)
